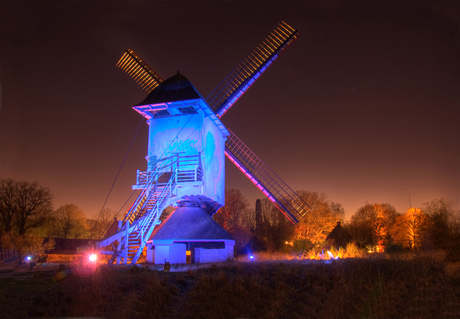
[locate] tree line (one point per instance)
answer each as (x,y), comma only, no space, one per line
(266,228)
(26,208)
(374,226)
(435,225)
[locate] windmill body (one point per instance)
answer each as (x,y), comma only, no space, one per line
(185,161)
(183,128)
(185,168)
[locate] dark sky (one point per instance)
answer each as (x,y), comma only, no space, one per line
(364,106)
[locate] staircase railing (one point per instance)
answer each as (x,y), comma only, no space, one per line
(141,199)
(189,169)
(144,214)
(151,179)
(147,224)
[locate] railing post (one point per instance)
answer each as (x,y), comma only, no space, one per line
(142,235)
(176,168)
(125,250)
(118,249)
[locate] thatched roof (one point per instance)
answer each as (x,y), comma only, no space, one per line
(191,223)
(339,237)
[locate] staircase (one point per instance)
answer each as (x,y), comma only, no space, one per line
(132,247)
(141,219)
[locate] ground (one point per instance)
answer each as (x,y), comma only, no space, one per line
(397,286)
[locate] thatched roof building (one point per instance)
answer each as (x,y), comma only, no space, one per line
(190,235)
(338,237)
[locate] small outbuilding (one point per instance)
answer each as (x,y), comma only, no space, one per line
(190,235)
(338,237)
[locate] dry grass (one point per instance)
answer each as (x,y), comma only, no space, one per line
(350,251)
(399,286)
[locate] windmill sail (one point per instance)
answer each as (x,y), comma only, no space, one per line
(139,71)
(250,68)
(284,198)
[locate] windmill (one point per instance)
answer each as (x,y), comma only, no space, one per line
(172,175)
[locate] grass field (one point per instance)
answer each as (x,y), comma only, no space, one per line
(398,286)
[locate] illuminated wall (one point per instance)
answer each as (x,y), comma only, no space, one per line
(190,134)
(175,134)
(214,161)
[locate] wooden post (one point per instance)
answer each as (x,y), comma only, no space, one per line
(125,251)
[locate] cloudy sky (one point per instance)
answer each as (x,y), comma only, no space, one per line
(364,106)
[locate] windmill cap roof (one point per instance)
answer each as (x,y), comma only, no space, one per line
(175,88)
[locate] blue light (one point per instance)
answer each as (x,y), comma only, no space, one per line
(29,258)
(251,257)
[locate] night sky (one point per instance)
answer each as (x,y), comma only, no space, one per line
(364,106)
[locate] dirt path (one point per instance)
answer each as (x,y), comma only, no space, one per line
(24,271)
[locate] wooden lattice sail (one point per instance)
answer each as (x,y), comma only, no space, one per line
(139,71)
(250,68)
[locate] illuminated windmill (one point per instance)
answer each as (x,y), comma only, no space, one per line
(187,143)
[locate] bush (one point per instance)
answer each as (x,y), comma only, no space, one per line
(301,245)
(17,245)
(353,251)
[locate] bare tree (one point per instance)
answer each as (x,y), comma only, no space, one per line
(33,205)
(100,224)
(320,220)
(410,228)
(258,215)
(337,208)
(7,198)
(69,221)
(371,223)
(444,229)
(235,217)
(23,205)
(269,211)
(273,229)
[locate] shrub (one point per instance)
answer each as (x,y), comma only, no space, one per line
(301,245)
(15,244)
(353,251)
